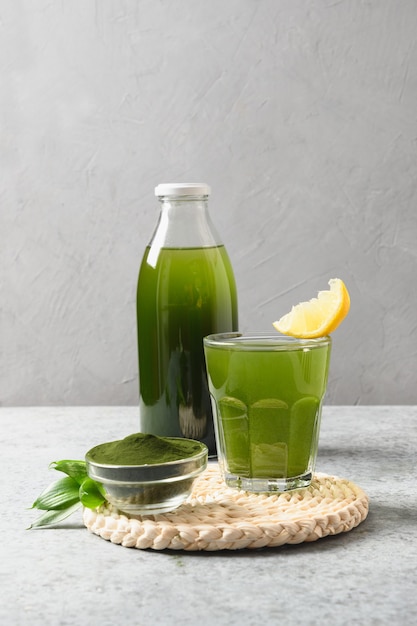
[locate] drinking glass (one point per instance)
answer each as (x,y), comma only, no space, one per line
(267,392)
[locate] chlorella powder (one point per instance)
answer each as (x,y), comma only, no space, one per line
(144,449)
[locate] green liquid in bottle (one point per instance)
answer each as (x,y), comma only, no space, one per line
(183,295)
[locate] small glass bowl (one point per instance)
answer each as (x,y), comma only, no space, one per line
(148,489)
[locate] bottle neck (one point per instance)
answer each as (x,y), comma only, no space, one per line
(184,222)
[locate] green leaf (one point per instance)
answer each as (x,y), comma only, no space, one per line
(61,494)
(91,494)
(50,518)
(66,495)
(75,469)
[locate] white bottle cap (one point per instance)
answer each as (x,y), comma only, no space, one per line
(182,189)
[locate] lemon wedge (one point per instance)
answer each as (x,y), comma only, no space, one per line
(319,316)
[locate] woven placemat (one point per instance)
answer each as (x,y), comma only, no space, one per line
(216,517)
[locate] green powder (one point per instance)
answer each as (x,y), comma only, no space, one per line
(144,449)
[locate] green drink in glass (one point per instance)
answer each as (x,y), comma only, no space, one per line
(267,393)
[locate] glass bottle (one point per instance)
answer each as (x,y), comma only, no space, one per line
(186,290)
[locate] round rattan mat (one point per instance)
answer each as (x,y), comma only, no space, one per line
(216,517)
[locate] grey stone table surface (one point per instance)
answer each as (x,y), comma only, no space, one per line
(68,576)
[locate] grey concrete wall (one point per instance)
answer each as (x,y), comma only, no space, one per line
(301,115)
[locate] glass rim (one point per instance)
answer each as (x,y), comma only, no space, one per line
(262,340)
